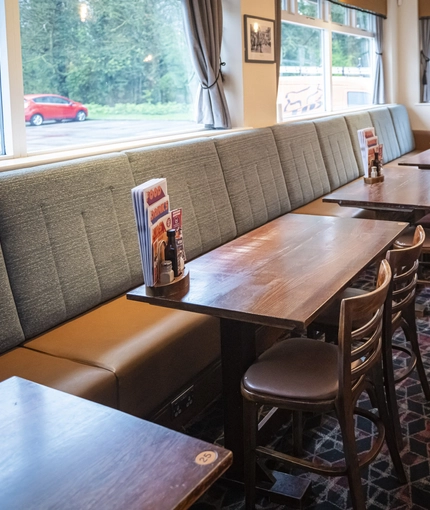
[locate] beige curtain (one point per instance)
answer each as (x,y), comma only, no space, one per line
(203,27)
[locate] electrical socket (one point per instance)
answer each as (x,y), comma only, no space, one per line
(182,402)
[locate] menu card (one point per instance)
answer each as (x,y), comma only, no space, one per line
(369,145)
(153,219)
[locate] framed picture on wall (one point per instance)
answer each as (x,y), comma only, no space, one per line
(259,39)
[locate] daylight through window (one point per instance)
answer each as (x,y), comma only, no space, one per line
(100,71)
(326,58)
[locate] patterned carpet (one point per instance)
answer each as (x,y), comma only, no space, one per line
(324,442)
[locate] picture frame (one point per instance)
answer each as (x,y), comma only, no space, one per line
(259,36)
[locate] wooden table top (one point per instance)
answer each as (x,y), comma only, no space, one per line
(403,188)
(421,160)
(283,273)
(61,451)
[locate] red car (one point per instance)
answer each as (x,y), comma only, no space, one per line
(41,107)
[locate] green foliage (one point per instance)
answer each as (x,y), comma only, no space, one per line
(138,111)
(129,52)
(302,46)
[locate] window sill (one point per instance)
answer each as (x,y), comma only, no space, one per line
(82,152)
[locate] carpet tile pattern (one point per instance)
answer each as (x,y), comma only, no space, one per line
(322,442)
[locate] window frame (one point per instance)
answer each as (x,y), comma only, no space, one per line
(14,147)
(289,14)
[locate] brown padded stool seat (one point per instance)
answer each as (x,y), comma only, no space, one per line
(405,240)
(424,221)
(298,368)
(330,317)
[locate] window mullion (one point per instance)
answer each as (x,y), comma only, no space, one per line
(327,69)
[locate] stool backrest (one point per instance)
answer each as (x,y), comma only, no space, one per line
(360,348)
(404,265)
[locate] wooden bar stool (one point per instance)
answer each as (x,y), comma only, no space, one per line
(399,313)
(406,241)
(302,374)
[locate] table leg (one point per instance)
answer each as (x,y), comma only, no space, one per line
(238,352)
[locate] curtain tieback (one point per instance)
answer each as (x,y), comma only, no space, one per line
(206,87)
(426,59)
(379,54)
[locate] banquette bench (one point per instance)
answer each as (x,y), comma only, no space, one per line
(69,252)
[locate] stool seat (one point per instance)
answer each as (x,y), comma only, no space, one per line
(330,316)
(297,368)
(407,239)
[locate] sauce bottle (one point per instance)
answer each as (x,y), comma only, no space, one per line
(171,251)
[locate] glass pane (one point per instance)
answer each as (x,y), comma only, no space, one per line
(301,73)
(309,8)
(339,14)
(351,72)
(122,65)
(363,20)
(2,145)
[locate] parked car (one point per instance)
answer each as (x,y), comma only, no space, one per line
(41,107)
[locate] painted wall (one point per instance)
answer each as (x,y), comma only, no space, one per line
(408,63)
(251,87)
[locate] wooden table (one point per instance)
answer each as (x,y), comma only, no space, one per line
(421,160)
(61,451)
(403,189)
(281,274)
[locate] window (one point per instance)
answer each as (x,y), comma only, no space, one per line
(308,8)
(326,59)
(2,147)
(301,77)
(122,66)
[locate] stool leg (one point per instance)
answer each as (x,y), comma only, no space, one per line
(250,426)
(412,337)
(346,421)
(298,433)
(390,435)
(389,384)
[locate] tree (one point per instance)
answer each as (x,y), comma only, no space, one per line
(105,51)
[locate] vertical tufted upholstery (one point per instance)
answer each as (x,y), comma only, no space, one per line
(253,177)
(68,237)
(337,151)
(11,333)
(195,182)
(356,121)
(301,161)
(402,127)
(384,127)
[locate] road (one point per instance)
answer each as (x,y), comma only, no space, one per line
(67,134)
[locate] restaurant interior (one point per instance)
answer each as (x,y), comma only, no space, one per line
(280,357)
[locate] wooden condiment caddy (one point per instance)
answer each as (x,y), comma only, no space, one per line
(373,180)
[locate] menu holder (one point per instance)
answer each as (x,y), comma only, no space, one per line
(373,180)
(179,287)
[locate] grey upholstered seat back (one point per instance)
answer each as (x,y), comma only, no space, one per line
(402,127)
(301,161)
(253,176)
(11,333)
(196,184)
(337,151)
(384,127)
(356,121)
(68,237)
